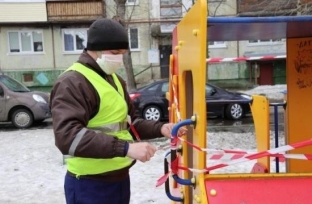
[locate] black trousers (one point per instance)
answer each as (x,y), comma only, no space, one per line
(88,191)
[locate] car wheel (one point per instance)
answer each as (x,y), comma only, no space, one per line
(234,111)
(22,118)
(152,113)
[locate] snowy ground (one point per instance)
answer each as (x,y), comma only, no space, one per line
(271,92)
(32,169)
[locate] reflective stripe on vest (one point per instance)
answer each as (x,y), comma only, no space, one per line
(111,118)
(115,127)
(105,129)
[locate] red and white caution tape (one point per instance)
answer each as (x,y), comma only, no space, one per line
(220,151)
(225,157)
(240,59)
(275,151)
(293,156)
(231,156)
(227,151)
(175,98)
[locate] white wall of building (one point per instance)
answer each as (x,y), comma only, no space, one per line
(25,60)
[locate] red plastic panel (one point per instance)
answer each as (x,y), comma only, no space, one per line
(260,191)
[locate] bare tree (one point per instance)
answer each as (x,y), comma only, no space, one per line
(120,17)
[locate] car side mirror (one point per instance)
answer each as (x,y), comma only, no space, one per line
(1,92)
(213,91)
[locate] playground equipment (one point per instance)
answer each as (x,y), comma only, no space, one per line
(187,178)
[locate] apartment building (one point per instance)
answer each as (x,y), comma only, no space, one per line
(150,24)
(253,71)
(41,38)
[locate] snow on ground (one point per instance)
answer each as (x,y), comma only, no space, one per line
(272,92)
(32,169)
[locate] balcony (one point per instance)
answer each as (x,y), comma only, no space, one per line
(74,11)
(15,12)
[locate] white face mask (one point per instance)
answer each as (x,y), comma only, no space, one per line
(110,63)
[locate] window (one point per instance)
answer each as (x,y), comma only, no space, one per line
(134,38)
(170,8)
(210,90)
(170,2)
(165,87)
(28,77)
(264,42)
(13,85)
(216,1)
(132,2)
(25,41)
(153,88)
(74,40)
(216,44)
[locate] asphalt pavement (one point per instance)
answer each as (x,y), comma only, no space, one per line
(246,124)
(213,124)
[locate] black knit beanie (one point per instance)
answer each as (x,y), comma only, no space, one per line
(107,34)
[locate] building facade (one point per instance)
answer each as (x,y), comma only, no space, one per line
(41,38)
(252,72)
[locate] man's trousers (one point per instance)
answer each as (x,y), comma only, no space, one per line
(89,191)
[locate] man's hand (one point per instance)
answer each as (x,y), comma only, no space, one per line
(141,151)
(167,128)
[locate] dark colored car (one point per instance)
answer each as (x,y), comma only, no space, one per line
(21,106)
(151,102)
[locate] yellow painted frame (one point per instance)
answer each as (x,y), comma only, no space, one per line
(191,36)
(261,116)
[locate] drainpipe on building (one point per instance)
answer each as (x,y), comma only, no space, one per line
(53,48)
(150,36)
(257,72)
(250,72)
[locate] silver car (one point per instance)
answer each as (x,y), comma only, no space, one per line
(21,106)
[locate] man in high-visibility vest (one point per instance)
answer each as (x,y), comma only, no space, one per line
(91,112)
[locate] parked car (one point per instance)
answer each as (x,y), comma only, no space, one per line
(21,106)
(151,103)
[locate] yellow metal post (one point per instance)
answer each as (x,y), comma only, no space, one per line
(191,49)
(261,117)
(299,108)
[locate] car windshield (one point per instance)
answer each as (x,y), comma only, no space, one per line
(13,85)
(149,87)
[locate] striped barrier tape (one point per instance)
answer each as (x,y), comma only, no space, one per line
(175,99)
(161,180)
(272,152)
(283,157)
(231,154)
(240,59)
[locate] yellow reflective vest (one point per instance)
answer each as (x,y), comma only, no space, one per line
(111,118)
